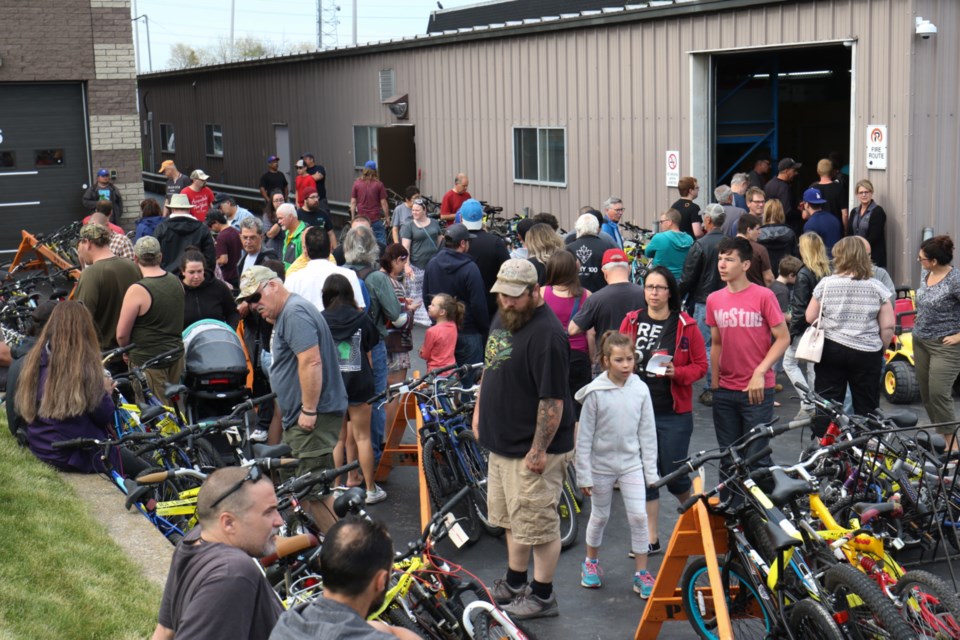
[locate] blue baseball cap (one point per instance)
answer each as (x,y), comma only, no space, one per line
(471,214)
(103,173)
(370,164)
(813,196)
(272,159)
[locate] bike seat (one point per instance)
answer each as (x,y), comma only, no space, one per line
(151,413)
(174,390)
(870,510)
(350,501)
(781,539)
(271,450)
(903,418)
(932,442)
(786,488)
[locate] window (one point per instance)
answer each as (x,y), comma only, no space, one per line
(388,84)
(7,159)
(213,133)
(540,156)
(167,138)
(364,145)
(48,157)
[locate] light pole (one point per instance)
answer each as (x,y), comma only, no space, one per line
(146,21)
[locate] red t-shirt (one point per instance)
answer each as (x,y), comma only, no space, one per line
(452,201)
(368,194)
(112,226)
(201,201)
(439,345)
(304,183)
(744,320)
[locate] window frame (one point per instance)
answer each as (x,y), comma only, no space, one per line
(539,182)
(211,152)
(373,151)
(163,138)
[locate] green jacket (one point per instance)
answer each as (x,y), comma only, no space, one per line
(293,244)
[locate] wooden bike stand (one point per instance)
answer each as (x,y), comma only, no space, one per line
(697,533)
(43,255)
(396,454)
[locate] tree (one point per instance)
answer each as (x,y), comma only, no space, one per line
(183,55)
(244,48)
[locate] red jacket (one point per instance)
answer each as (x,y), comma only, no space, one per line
(689,358)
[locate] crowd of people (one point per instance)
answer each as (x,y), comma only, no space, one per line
(583,366)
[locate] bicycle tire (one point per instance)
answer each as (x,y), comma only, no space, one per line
(810,621)
(927,590)
(742,598)
(476,458)
(205,456)
(871,611)
(442,483)
(569,524)
(397,617)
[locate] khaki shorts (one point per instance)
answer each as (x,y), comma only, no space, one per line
(523,501)
(314,448)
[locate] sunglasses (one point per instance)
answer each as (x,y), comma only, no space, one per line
(252,476)
(255,297)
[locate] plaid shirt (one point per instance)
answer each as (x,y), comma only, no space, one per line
(121,246)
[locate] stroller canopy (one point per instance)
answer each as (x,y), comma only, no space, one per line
(212,347)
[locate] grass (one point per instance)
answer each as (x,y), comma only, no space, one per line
(61,576)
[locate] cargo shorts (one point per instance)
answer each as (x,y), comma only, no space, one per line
(523,501)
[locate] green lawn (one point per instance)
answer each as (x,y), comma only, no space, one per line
(61,576)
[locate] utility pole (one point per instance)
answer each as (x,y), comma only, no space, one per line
(136,39)
(327,24)
(233,13)
(136,28)
(354,22)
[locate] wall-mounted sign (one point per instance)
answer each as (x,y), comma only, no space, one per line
(877,146)
(673,168)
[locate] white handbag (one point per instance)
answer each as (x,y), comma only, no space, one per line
(810,346)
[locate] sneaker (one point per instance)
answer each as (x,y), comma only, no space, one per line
(590,573)
(706,398)
(653,549)
(502,592)
(526,606)
(643,582)
(377,495)
(258,435)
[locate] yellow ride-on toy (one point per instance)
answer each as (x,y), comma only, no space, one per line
(900,384)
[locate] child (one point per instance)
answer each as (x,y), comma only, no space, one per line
(441,339)
(782,287)
(617,442)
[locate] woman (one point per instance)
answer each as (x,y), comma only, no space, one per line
(816,265)
(857,321)
(564,295)
(542,242)
(936,332)
(663,329)
(368,199)
(355,335)
(150,216)
(868,220)
(273,239)
(205,298)
(421,237)
(62,392)
(778,238)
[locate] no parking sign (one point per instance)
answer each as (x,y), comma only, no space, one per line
(877,146)
(673,168)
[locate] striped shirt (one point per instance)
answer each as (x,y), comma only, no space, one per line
(850,309)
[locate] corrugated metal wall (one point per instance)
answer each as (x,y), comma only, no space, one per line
(622,92)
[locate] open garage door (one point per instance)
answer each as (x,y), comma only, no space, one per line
(43,158)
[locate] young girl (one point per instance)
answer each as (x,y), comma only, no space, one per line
(441,339)
(617,442)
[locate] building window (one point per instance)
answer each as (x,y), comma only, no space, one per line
(388,84)
(364,145)
(48,157)
(540,156)
(167,138)
(213,133)
(8,159)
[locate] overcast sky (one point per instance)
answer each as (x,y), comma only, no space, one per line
(200,24)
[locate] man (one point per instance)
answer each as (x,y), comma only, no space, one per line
(273,180)
(308,281)
(612,213)
(234,213)
(756,199)
(302,182)
(607,308)
(701,278)
(832,191)
(120,244)
(486,249)
(357,560)
(524,417)
(319,175)
(588,249)
(199,194)
(670,246)
(758,176)
(760,271)
(182,230)
(603,235)
(176,181)
(103,189)
(102,284)
(690,221)
(454,199)
(251,237)
(454,272)
(823,223)
(305,376)
(227,246)
(779,187)
(293,233)
(359,221)
(313,216)
(106,208)
(738,184)
(151,317)
(214,587)
(748,335)
(724,196)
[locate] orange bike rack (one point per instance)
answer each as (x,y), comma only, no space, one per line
(43,255)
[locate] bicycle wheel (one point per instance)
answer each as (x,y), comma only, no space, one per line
(442,484)
(747,617)
(397,617)
(205,456)
(930,607)
(569,525)
(871,611)
(810,621)
(476,459)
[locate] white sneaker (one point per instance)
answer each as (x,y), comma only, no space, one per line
(377,495)
(258,435)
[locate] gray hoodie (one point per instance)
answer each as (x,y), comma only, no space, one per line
(617,430)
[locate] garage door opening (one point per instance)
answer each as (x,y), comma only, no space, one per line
(781,103)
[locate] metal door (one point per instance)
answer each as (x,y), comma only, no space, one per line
(281,133)
(397,157)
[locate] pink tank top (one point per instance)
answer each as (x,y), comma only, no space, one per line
(563,309)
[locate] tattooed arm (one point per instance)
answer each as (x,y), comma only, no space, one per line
(548,421)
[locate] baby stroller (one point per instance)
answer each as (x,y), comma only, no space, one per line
(215,369)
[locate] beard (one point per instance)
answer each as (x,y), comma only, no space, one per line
(515,319)
(378,601)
